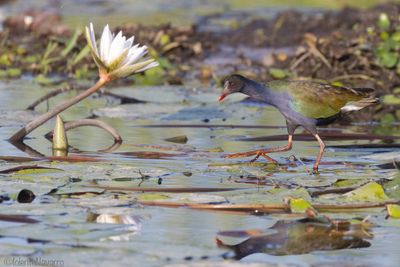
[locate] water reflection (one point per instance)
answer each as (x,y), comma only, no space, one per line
(131,224)
(298,237)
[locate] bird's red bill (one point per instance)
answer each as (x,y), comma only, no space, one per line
(221,97)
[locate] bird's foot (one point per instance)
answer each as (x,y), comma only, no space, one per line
(257,154)
(315,170)
(264,155)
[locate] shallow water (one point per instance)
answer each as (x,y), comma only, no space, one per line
(74,226)
(67,228)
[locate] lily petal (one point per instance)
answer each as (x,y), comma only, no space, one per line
(91,40)
(130,69)
(151,65)
(117,57)
(116,63)
(92,46)
(129,42)
(135,55)
(105,42)
(116,47)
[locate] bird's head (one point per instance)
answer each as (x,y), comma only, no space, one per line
(232,84)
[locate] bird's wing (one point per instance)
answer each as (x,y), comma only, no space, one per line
(315,100)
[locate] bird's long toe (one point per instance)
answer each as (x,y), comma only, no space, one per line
(241,155)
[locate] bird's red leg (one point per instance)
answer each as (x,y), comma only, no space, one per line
(263,152)
(321,152)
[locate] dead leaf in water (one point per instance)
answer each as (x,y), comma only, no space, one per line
(18,159)
(29,169)
(17,218)
(166,189)
(149,154)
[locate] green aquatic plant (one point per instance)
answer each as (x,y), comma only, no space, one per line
(388,48)
(116,57)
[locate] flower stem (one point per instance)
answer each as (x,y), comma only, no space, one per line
(20,135)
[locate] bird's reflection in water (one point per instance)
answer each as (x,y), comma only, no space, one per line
(298,237)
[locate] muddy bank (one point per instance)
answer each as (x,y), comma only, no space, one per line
(351,47)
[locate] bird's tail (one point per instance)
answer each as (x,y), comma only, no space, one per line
(360,104)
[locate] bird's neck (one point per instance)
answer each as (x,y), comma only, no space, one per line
(257,91)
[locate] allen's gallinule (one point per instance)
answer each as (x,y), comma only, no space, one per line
(302,103)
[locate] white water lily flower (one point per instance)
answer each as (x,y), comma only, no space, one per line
(117,57)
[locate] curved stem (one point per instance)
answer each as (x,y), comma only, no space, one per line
(48,96)
(20,135)
(89,122)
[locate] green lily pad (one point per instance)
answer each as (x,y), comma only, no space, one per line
(369,192)
(393,210)
(151,197)
(299,205)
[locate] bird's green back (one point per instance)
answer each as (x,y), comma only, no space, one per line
(315,100)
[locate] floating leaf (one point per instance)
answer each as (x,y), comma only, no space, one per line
(167,189)
(17,218)
(151,197)
(393,210)
(299,205)
(369,192)
(30,169)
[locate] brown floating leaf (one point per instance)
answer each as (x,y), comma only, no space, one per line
(149,154)
(51,158)
(267,208)
(18,159)
(166,189)
(328,136)
(17,218)
(73,158)
(27,167)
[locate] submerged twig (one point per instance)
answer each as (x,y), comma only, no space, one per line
(90,122)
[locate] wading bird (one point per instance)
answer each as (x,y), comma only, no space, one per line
(302,103)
